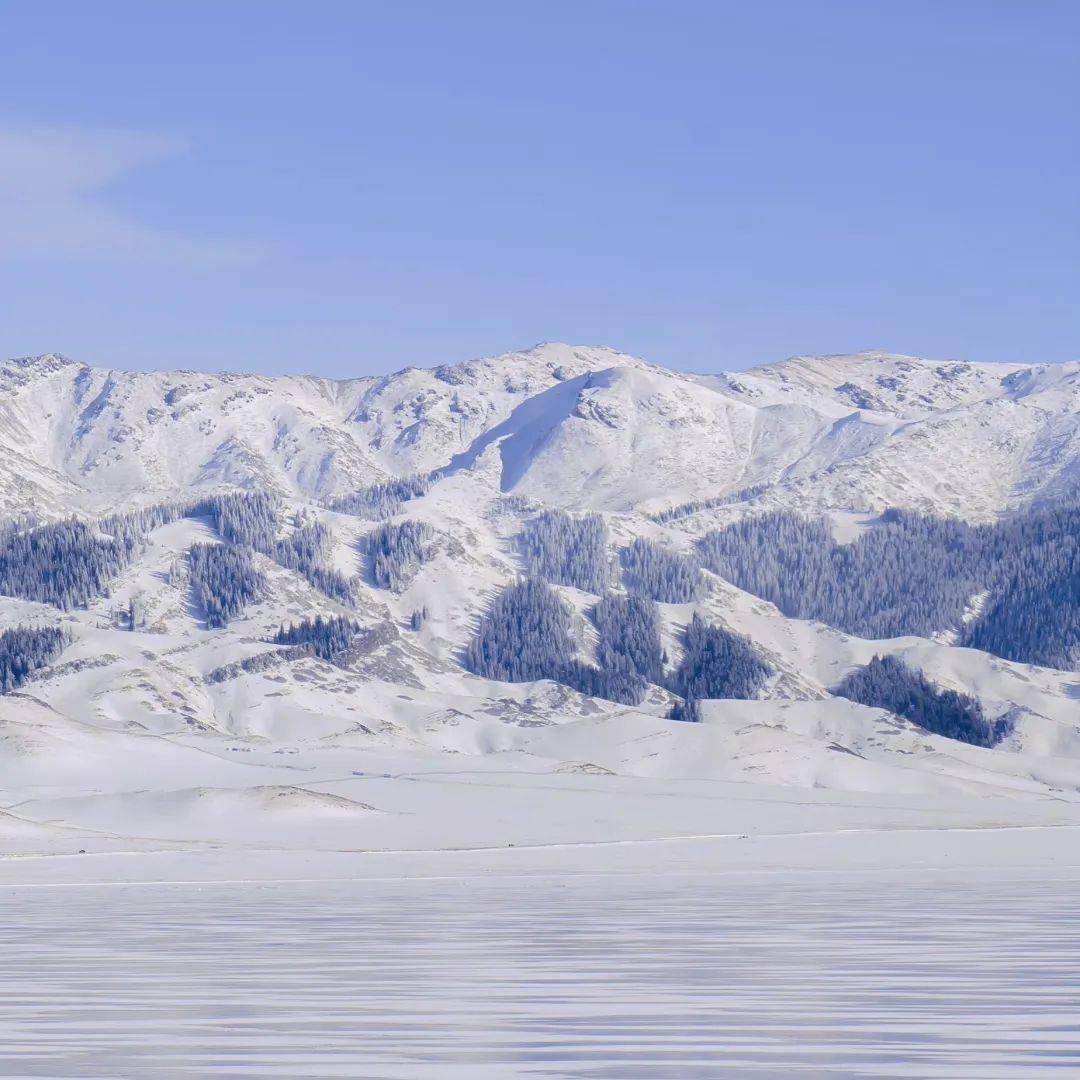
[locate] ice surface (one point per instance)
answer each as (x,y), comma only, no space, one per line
(878,975)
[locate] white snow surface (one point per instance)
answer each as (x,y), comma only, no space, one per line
(122,751)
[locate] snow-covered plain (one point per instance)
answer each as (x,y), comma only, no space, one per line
(688,895)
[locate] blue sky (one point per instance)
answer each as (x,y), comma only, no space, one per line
(348,188)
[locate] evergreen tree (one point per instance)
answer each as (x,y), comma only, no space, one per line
(524,636)
(629,637)
(1033,611)
(69,563)
(913,574)
(248,518)
(717,663)
(66,563)
(306,550)
(687,710)
(383,500)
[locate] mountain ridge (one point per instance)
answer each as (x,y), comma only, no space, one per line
(856,432)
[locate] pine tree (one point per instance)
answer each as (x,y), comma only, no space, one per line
(717,663)
(329,636)
(383,500)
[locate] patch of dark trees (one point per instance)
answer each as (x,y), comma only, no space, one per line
(660,574)
(567,550)
(396,551)
(716,663)
(378,502)
(25,649)
(525,635)
(888,683)
(328,636)
(71,562)
(66,563)
(914,574)
(224,581)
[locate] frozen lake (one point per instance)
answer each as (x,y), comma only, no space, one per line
(577,977)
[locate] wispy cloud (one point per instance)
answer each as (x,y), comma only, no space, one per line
(55,200)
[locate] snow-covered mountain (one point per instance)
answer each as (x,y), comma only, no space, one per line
(581,427)
(177,734)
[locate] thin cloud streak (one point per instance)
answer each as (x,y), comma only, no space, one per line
(55,202)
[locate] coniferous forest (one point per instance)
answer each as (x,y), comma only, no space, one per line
(660,574)
(383,500)
(224,581)
(567,550)
(716,663)
(327,635)
(905,574)
(24,649)
(396,551)
(888,683)
(628,632)
(69,563)
(525,635)
(307,551)
(913,574)
(66,563)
